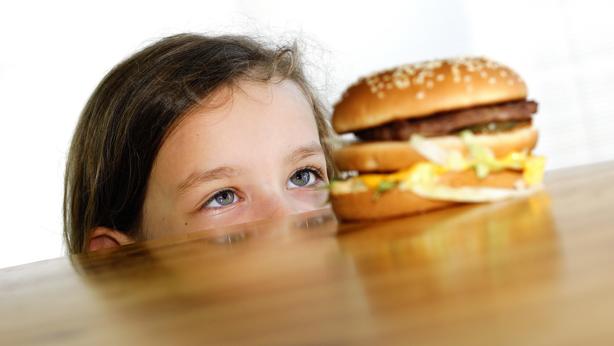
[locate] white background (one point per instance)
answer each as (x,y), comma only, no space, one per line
(53,54)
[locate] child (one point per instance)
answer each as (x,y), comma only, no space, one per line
(195,132)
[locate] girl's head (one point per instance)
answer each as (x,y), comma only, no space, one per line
(194,132)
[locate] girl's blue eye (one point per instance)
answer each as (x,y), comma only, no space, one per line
(304,177)
(221,199)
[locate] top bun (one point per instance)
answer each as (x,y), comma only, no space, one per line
(422,89)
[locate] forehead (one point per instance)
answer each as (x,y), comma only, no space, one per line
(251,124)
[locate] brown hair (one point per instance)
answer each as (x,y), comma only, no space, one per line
(126,119)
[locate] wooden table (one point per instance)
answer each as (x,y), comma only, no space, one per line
(534,271)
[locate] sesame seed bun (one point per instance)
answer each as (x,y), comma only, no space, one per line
(355,206)
(423,89)
(388,156)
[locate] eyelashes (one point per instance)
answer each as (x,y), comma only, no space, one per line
(304,177)
(221,199)
(316,170)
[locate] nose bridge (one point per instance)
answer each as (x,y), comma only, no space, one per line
(273,204)
(279,206)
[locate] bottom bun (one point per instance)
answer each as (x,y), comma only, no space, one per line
(368,205)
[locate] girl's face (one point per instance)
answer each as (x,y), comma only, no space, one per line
(251,153)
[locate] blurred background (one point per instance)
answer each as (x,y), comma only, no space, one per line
(54,53)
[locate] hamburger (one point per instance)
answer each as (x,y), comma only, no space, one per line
(434,134)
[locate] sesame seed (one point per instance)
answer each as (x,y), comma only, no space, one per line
(492,80)
(420,95)
(410,71)
(440,77)
(503,73)
(430,84)
(380,95)
(401,81)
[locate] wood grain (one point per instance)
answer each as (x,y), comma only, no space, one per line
(534,271)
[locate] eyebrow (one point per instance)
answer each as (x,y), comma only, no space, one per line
(304,152)
(200,177)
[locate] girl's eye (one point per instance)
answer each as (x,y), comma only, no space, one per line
(304,177)
(221,199)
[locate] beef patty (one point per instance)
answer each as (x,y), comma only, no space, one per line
(498,116)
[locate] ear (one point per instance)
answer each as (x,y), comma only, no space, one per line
(107,238)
